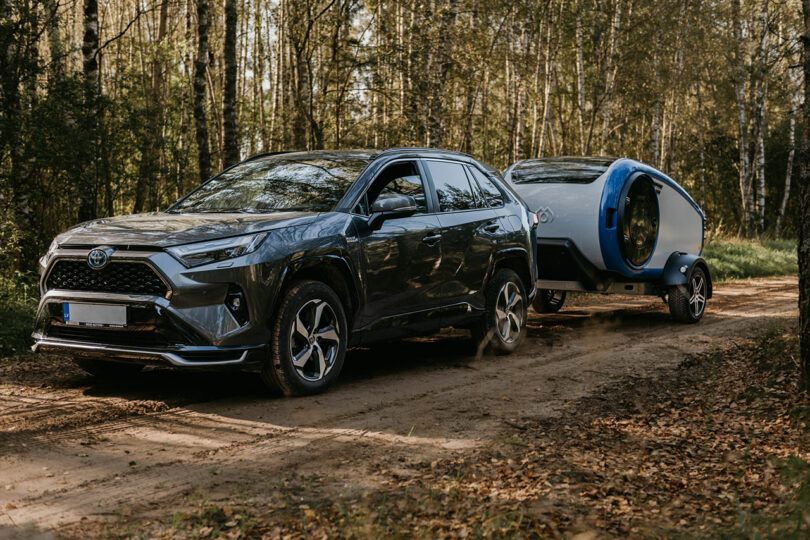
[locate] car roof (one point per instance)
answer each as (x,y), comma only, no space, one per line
(566,160)
(371,155)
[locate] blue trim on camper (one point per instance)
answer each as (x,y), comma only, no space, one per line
(618,175)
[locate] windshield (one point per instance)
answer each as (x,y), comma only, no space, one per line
(274,184)
(559,170)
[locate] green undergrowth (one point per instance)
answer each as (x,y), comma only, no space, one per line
(736,258)
(18,303)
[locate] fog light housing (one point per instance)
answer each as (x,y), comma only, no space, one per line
(237,304)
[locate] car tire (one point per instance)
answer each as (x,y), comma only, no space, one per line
(687,303)
(108,370)
(504,323)
(548,301)
(309,336)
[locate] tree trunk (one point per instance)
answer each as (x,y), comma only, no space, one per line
(200,67)
(444,62)
(655,132)
(761,93)
(739,78)
(150,174)
(610,78)
(231,142)
(803,210)
(583,142)
(789,168)
(87,178)
(57,69)
(547,73)
(701,147)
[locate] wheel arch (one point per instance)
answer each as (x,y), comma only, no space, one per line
(518,260)
(333,270)
(679,268)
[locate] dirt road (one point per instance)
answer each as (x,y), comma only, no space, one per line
(75,451)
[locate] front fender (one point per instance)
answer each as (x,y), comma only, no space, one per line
(679,267)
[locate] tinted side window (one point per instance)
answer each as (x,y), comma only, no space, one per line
(397,179)
(491,192)
(452,186)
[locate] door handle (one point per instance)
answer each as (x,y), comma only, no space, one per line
(431,238)
(492,226)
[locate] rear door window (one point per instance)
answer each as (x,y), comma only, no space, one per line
(452,186)
(492,194)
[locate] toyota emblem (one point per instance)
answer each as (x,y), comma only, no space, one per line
(98,258)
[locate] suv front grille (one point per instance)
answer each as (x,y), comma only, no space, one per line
(117,277)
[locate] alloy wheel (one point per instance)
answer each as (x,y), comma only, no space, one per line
(509,312)
(697,295)
(314,340)
(553,297)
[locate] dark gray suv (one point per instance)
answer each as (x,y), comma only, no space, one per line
(281,262)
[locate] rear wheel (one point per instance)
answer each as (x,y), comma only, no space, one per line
(504,322)
(309,340)
(687,303)
(548,301)
(108,370)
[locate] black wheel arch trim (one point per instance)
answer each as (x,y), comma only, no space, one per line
(526,260)
(336,260)
(673,276)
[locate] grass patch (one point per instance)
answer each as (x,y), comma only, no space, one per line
(736,258)
(18,304)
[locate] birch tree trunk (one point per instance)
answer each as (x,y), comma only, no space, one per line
(789,168)
(610,79)
(87,179)
(584,142)
(761,92)
(150,161)
(547,74)
(740,93)
(443,65)
(200,68)
(231,142)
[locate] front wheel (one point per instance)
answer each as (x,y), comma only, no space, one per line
(687,303)
(548,301)
(504,322)
(309,340)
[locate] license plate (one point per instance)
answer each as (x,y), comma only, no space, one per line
(106,315)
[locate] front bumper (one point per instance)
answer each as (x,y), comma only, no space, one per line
(189,326)
(185,357)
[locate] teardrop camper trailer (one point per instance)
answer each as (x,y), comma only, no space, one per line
(614,226)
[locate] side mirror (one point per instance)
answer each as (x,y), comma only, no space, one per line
(392,206)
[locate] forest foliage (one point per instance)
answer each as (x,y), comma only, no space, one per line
(114,106)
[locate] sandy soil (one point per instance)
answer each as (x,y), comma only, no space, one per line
(76,452)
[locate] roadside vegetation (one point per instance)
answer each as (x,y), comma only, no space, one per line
(736,258)
(718,448)
(18,302)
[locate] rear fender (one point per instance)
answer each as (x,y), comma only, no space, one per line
(679,268)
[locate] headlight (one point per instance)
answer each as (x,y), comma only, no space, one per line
(43,261)
(216,250)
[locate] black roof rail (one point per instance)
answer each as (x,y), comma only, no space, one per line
(423,149)
(268,154)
